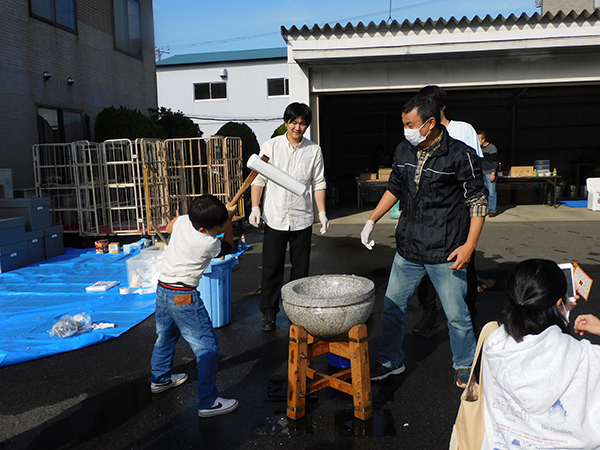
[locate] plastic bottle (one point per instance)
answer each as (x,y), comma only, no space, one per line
(243,241)
(500,173)
(534,173)
(554,172)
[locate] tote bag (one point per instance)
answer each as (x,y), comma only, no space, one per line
(469,427)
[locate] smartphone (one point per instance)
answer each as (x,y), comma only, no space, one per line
(567,269)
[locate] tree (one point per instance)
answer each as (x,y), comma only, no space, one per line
(250,143)
(281,129)
(177,124)
(125,123)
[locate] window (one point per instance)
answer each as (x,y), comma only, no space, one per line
(57,12)
(207,91)
(278,86)
(57,125)
(128,26)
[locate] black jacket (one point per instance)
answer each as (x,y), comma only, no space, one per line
(435,218)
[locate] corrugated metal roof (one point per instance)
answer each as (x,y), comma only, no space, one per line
(240,55)
(441,23)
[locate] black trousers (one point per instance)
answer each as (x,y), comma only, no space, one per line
(427,295)
(275,244)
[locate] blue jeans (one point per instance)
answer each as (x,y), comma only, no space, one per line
(451,286)
(491,187)
(193,323)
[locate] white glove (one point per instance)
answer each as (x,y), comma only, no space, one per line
(365,234)
(324,221)
(254,218)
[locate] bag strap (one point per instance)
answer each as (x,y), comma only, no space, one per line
(486,332)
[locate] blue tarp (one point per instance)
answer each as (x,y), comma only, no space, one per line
(34,298)
(574,203)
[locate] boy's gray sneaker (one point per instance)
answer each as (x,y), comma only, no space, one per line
(176,380)
(220,406)
(381,372)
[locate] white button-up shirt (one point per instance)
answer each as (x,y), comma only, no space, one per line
(282,209)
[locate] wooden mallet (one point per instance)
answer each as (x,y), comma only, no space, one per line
(249,179)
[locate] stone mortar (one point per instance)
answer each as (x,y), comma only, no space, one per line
(327,305)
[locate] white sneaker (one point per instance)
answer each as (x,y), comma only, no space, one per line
(176,380)
(220,406)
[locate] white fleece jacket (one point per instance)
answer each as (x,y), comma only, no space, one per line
(541,393)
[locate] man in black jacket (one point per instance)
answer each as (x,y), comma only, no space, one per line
(439,184)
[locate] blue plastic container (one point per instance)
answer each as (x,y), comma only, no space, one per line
(338,361)
(215,290)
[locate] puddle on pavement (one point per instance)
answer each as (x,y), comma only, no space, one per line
(274,422)
(382,424)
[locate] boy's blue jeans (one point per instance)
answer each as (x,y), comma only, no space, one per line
(193,323)
(451,286)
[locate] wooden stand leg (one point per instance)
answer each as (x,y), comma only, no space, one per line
(297,368)
(361,374)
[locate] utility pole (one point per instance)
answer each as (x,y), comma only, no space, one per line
(158,52)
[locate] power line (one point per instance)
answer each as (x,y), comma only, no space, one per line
(236,119)
(350,19)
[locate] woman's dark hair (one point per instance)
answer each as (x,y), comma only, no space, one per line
(533,288)
(207,212)
(295,110)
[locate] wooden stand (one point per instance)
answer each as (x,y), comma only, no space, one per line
(304,347)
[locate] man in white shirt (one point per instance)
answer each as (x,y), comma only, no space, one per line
(288,217)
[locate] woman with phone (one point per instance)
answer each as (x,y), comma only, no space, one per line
(541,385)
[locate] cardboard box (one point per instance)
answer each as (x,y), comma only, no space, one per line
(384,173)
(367,176)
(521,171)
(36,211)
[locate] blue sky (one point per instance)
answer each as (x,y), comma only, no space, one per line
(192,26)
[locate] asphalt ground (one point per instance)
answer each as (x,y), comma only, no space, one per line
(99,397)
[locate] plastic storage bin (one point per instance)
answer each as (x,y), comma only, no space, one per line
(36,211)
(143,269)
(338,361)
(593,188)
(53,241)
(12,231)
(215,290)
(35,246)
(13,256)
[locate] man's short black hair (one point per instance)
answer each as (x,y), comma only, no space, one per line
(207,212)
(435,92)
(483,134)
(295,110)
(427,108)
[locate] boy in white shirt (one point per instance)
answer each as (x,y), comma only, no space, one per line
(179,309)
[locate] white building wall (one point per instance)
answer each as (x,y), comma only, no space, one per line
(247,96)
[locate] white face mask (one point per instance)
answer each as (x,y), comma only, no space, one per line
(414,135)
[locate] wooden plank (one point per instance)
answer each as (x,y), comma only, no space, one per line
(361,373)
(297,367)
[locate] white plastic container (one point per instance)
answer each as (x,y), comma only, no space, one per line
(593,188)
(143,269)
